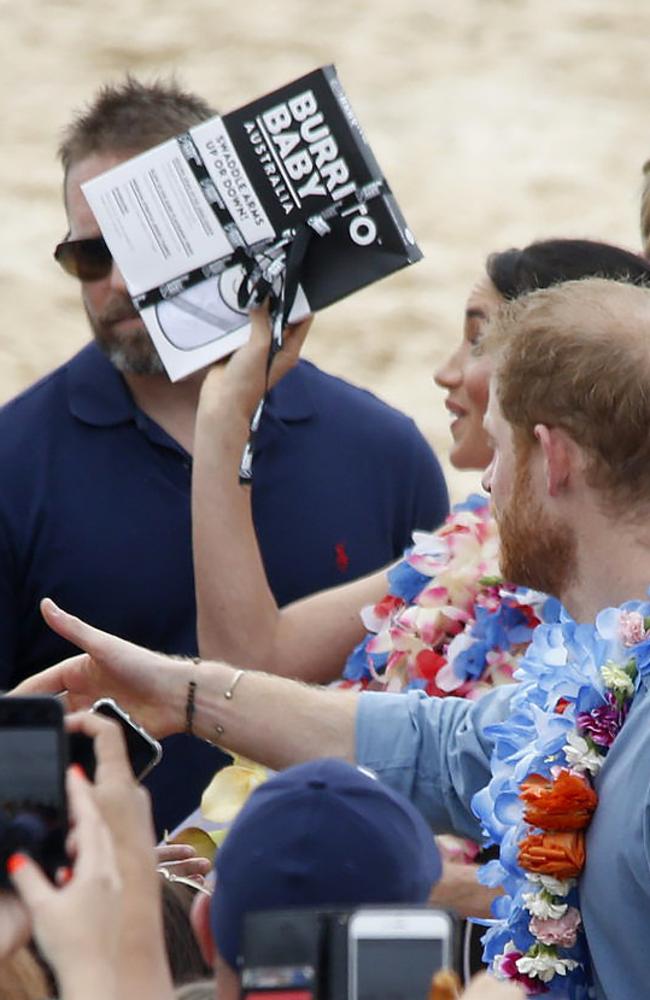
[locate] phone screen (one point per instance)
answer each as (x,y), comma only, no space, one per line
(396,968)
(32,794)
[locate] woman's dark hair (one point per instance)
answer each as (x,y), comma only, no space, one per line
(551,262)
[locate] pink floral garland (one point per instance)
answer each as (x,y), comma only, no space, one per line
(447,625)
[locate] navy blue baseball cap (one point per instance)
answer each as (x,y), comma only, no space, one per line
(320,834)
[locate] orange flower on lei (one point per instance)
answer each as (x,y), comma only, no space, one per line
(565,802)
(559,854)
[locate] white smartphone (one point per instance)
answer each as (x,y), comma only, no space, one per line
(394,953)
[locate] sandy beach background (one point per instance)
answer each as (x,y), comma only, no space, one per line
(496,122)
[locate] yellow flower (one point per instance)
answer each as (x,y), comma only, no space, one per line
(202,842)
(617,679)
(230,788)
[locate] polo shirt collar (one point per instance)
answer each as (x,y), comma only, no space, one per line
(97,393)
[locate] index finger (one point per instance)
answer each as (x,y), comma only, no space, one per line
(295,334)
(29,881)
(49,681)
(110,746)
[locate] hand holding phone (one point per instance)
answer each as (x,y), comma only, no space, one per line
(125,808)
(77,924)
(33,760)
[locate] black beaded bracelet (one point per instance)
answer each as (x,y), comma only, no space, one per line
(189,707)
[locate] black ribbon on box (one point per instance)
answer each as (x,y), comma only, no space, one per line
(255,290)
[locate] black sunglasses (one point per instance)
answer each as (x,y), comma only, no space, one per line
(88,260)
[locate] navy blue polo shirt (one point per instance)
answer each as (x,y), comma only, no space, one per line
(95,513)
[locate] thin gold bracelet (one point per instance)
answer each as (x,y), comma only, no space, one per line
(190,704)
(228,695)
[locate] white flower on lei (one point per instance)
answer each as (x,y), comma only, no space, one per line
(556,886)
(520,595)
(580,756)
(447,679)
(429,543)
(545,965)
(617,679)
(539,904)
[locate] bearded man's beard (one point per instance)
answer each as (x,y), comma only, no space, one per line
(131,353)
(536,551)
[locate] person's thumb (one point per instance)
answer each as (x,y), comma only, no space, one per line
(79,633)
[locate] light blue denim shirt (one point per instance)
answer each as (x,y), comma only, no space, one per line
(434,751)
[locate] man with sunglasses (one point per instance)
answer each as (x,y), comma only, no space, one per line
(95,462)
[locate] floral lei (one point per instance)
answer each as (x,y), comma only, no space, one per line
(577,684)
(447,626)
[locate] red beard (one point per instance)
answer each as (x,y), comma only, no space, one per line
(537,551)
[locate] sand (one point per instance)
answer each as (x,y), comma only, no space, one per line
(496,122)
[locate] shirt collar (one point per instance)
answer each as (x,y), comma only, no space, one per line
(98,395)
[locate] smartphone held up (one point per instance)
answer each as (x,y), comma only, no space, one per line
(143,751)
(396,952)
(33,761)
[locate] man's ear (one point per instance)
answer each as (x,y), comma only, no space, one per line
(200,920)
(558,451)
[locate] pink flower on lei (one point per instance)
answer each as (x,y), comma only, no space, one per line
(561,932)
(632,628)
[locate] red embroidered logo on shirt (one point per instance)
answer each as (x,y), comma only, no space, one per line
(342,558)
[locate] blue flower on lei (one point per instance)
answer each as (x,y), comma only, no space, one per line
(499,628)
(474,502)
(362,664)
(406,582)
